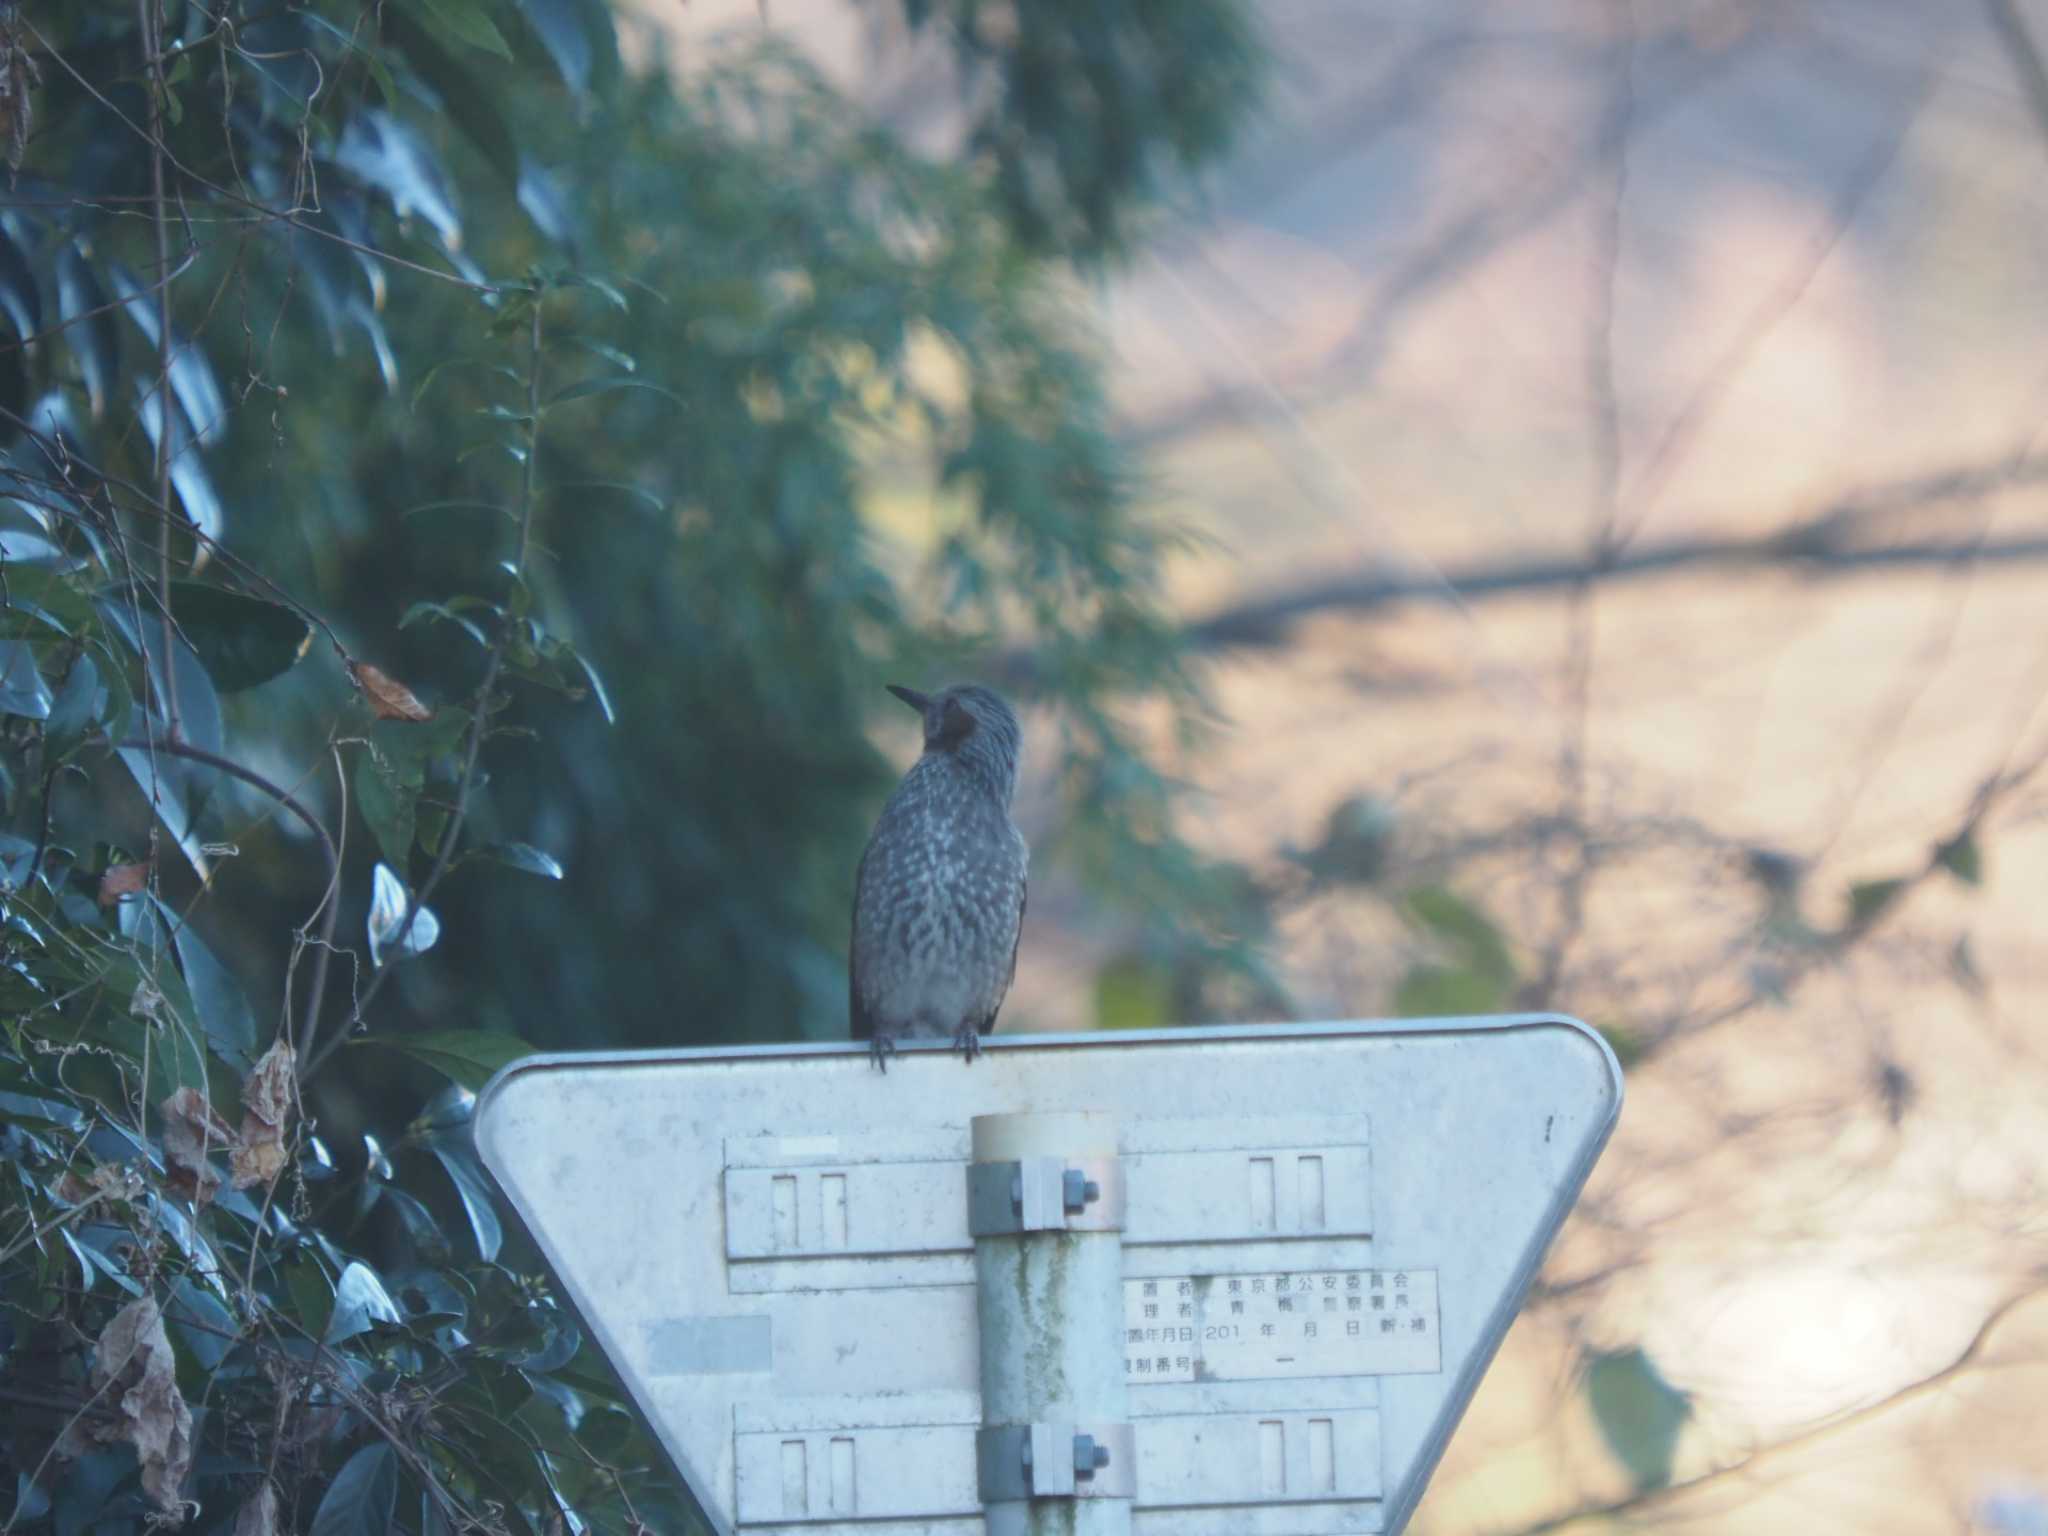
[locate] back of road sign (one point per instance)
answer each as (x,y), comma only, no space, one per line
(1327,1230)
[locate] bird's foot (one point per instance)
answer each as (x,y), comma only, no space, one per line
(967,1040)
(880,1049)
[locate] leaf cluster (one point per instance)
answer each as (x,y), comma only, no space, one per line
(440,605)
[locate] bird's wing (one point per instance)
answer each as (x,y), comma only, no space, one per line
(1023,900)
(860,1024)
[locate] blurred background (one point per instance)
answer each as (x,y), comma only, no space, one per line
(1614,436)
(1485,507)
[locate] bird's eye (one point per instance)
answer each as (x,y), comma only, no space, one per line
(955,723)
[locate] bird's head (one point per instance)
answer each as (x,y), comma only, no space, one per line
(971,724)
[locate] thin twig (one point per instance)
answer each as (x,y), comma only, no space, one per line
(163,281)
(1604,432)
(444,856)
(1630,1504)
(330,903)
(289,217)
(63,461)
(151,28)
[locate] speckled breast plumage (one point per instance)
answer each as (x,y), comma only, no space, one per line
(937,906)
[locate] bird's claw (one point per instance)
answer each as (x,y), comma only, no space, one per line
(880,1049)
(967,1040)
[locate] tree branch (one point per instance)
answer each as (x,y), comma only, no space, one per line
(1653,1498)
(1808,549)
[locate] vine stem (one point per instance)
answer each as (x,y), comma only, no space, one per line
(330,903)
(152,43)
(444,856)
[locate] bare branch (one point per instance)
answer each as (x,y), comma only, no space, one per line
(1811,549)
(1656,1498)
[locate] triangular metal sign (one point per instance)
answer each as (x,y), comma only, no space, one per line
(1327,1230)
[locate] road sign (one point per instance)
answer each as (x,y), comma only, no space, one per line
(1319,1234)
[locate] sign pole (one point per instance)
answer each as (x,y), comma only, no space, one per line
(1046,1209)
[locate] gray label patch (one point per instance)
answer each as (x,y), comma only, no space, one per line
(710,1346)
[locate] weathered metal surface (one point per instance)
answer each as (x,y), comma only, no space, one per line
(1049,1303)
(773,1246)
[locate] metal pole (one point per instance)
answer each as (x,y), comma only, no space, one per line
(1046,1210)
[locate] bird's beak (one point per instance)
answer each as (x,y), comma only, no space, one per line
(910,696)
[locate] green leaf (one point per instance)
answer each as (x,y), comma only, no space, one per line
(447,615)
(591,1374)
(597,285)
(522,856)
(1356,838)
(1961,857)
(619,358)
(33,1113)
(89,1495)
(1439,991)
(198,1321)
(363,1495)
(1132,992)
(20,295)
(453,1150)
(468,21)
(467,1056)
(22,689)
(562,28)
(1462,928)
(242,640)
(583,389)
(597,688)
(646,498)
(1639,1413)
(391,773)
(1868,900)
(75,708)
(359,1300)
(312,1294)
(473,109)
(217,997)
(388,786)
(605,1431)
(89,328)
(430,822)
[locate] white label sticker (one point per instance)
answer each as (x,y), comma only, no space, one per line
(1370,1322)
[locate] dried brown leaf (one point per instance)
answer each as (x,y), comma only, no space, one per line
(268,1093)
(119,1181)
(135,1373)
(389,698)
(123,880)
(258,1516)
(266,1106)
(255,1162)
(115,1181)
(191,1130)
(148,1002)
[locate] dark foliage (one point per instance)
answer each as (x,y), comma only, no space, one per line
(439,613)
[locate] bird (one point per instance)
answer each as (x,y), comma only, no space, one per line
(938,903)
